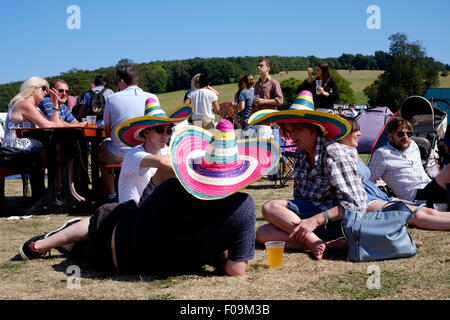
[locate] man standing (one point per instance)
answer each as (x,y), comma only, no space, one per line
(205,103)
(353,112)
(399,165)
(267,94)
(99,83)
(47,106)
(120,107)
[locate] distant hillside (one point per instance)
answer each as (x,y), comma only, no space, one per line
(169,76)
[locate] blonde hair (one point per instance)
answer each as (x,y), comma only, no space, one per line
(27,88)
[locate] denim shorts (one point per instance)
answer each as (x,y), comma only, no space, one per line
(305,209)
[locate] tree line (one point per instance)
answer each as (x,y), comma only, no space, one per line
(166,76)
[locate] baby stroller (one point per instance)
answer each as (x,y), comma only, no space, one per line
(429,125)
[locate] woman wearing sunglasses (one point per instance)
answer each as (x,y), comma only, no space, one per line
(24,113)
(425,218)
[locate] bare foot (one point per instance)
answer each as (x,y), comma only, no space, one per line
(318,248)
(418,243)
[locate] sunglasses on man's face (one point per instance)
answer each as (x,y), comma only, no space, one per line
(63,91)
(160,130)
(400,134)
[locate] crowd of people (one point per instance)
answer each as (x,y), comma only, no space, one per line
(187,171)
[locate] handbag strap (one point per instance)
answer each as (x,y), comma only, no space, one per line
(420,206)
(405,202)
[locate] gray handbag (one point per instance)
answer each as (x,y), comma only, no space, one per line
(379,235)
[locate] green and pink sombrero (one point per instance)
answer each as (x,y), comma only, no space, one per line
(215,165)
(130,131)
(303,111)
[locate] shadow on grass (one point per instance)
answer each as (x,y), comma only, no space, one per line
(19,206)
(330,254)
(71,266)
(261,187)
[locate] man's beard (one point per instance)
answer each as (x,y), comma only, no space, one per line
(401,146)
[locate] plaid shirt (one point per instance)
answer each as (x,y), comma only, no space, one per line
(333,180)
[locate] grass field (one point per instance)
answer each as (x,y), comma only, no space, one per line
(359,79)
(425,276)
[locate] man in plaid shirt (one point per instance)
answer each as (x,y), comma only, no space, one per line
(326,183)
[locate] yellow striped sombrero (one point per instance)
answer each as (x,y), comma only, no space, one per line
(303,111)
(215,165)
(129,132)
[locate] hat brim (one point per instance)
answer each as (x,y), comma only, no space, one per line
(188,145)
(129,131)
(333,126)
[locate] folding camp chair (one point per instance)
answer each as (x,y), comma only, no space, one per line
(287,160)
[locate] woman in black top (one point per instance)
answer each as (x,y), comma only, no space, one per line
(324,89)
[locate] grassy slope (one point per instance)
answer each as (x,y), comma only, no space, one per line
(359,79)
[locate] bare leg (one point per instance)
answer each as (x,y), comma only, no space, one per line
(107,179)
(425,218)
(162,175)
(74,233)
(269,232)
(278,213)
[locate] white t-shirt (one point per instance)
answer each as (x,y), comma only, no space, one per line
(133,179)
(201,100)
(121,106)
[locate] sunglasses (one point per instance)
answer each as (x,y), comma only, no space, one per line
(160,130)
(45,89)
(400,134)
(62,90)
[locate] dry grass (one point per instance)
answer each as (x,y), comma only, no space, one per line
(425,276)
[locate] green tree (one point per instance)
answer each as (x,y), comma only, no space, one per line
(409,72)
(290,88)
(156,79)
(346,94)
(124,62)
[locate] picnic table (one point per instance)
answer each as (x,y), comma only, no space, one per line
(60,148)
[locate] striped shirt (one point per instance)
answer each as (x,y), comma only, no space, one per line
(46,107)
(332,180)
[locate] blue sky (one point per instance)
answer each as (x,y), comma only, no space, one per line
(35,39)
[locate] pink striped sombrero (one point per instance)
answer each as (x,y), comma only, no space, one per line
(130,131)
(213,166)
(303,111)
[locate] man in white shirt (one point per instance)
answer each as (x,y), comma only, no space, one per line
(353,112)
(205,103)
(122,106)
(400,166)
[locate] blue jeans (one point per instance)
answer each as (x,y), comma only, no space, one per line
(305,209)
